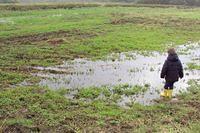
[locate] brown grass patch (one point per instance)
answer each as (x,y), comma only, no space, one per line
(49,36)
(165,22)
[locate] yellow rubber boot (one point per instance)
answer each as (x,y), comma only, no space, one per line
(164,93)
(169,93)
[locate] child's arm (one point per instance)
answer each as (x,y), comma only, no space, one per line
(181,70)
(164,70)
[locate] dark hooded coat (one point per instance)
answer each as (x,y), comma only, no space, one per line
(172,69)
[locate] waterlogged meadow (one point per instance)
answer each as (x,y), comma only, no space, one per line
(96,68)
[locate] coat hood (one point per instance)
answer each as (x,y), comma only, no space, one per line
(172,57)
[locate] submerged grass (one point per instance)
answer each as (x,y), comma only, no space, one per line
(110,93)
(129,90)
(193,66)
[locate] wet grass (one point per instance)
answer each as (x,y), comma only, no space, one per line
(194,90)
(62,91)
(113,93)
(47,37)
(93,92)
(11,78)
(40,109)
(194,66)
(129,90)
(24,106)
(89,32)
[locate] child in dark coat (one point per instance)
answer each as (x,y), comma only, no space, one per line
(172,70)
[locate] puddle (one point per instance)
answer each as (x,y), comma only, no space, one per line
(6,21)
(138,70)
(57,15)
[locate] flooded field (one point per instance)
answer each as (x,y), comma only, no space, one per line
(125,68)
(96,68)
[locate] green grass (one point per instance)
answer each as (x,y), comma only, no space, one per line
(91,32)
(62,91)
(28,105)
(112,93)
(11,78)
(36,108)
(193,66)
(194,92)
(94,33)
(93,92)
(129,90)
(17,121)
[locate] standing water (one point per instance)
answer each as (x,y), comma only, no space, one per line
(129,68)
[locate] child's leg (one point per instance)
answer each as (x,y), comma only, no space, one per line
(168,85)
(164,93)
(171,85)
(170,89)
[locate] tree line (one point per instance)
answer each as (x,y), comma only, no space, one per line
(8,1)
(170,2)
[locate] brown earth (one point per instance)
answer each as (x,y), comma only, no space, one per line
(47,37)
(55,42)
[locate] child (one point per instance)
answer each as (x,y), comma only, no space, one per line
(172,70)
